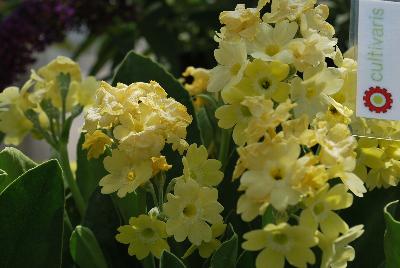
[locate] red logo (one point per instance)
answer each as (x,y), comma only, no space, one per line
(378,100)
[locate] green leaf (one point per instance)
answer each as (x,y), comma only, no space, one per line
(268,216)
(137,68)
(132,205)
(226,254)
(13,163)
(89,172)
(103,218)
(85,249)
(169,260)
(392,235)
(206,128)
(31,218)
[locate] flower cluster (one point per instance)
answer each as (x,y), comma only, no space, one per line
(43,103)
(137,121)
(290,117)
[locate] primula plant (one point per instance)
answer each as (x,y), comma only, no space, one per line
(249,164)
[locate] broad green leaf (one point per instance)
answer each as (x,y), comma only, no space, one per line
(89,172)
(103,218)
(31,218)
(85,249)
(137,68)
(268,216)
(392,235)
(13,163)
(132,205)
(169,260)
(206,128)
(246,259)
(226,254)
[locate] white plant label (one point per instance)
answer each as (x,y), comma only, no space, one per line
(378,87)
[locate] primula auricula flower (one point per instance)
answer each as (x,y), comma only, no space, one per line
(280,242)
(190,210)
(145,235)
(288,9)
(232,58)
(198,167)
(206,249)
(314,21)
(96,143)
(383,160)
(126,174)
(260,78)
(272,43)
(320,207)
(336,251)
(200,78)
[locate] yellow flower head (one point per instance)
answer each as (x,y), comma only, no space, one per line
(200,78)
(145,235)
(272,43)
(336,251)
(96,143)
(320,207)
(288,9)
(280,242)
(160,164)
(314,21)
(206,249)
(190,210)
(261,79)
(198,167)
(125,175)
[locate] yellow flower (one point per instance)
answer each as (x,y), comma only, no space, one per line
(190,209)
(145,235)
(159,164)
(320,207)
(252,118)
(242,21)
(198,167)
(49,84)
(298,129)
(280,242)
(317,81)
(314,21)
(272,43)
(13,122)
(336,251)
(200,78)
(86,91)
(206,249)
(125,175)
(287,9)
(382,158)
(274,182)
(260,79)
(96,143)
(232,60)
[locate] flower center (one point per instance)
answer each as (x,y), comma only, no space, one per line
(311,92)
(272,50)
(148,233)
(319,208)
(276,174)
(265,84)
(130,176)
(280,239)
(190,211)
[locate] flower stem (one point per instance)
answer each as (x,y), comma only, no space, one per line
(69,178)
(224,146)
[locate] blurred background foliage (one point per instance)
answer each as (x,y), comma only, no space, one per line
(177,33)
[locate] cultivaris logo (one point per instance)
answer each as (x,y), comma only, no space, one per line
(378,100)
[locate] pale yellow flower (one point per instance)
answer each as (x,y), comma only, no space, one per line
(86,91)
(232,61)
(260,79)
(190,210)
(200,78)
(288,9)
(145,235)
(320,207)
(317,81)
(336,251)
(198,167)
(280,242)
(160,164)
(314,21)
(96,143)
(298,129)
(125,175)
(272,43)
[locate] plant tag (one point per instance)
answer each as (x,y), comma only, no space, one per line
(378,87)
